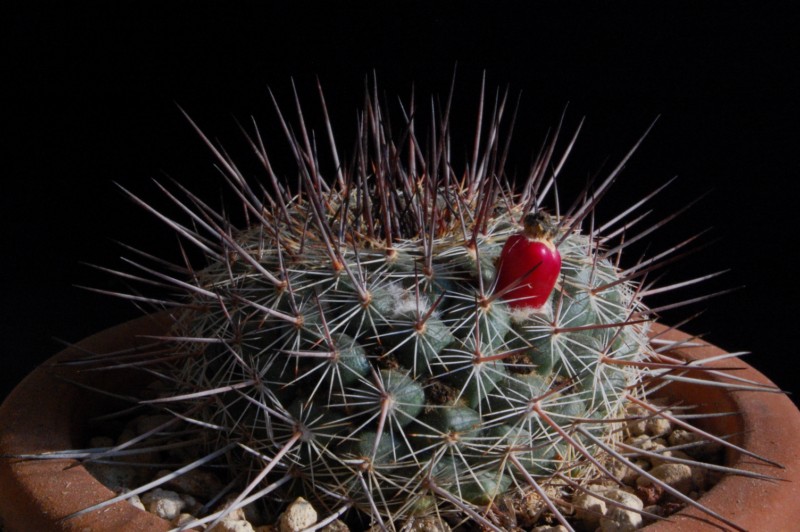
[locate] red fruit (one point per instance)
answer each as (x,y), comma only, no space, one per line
(529,264)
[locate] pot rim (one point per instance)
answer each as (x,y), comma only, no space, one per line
(770,428)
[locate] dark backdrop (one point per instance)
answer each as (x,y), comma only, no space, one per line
(91,93)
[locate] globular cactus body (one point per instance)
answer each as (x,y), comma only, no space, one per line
(378,343)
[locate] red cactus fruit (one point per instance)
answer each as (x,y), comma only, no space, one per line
(529,264)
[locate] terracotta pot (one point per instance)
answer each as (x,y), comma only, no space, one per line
(45,413)
(767,424)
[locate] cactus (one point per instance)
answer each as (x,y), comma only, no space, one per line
(370,341)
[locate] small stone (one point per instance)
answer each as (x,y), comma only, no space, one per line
(698,446)
(658,449)
(643,442)
(650,494)
(182,519)
(232,525)
(336,526)
(661,451)
(426,524)
(682,437)
(528,508)
(588,508)
(666,455)
(678,476)
(636,427)
(658,426)
(619,519)
(134,501)
(622,472)
(248,513)
(297,516)
(164,503)
(642,463)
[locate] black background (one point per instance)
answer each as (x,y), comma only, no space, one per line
(91,93)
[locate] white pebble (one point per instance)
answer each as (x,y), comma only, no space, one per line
(336,526)
(134,501)
(622,519)
(164,503)
(232,525)
(297,516)
(248,512)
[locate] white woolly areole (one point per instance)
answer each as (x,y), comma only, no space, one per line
(524,314)
(406,300)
